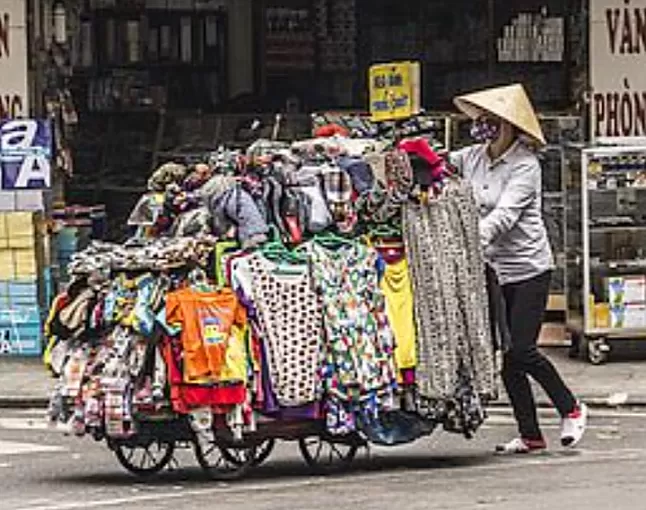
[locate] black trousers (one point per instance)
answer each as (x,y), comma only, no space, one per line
(524,308)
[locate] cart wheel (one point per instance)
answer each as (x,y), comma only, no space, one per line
(598,351)
(224,463)
(326,457)
(261,453)
(144,460)
(264,451)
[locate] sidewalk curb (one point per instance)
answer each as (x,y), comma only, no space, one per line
(23,402)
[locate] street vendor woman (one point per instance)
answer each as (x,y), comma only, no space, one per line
(506,178)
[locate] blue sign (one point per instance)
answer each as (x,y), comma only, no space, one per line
(20,331)
(25,154)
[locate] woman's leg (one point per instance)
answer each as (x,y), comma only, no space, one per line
(526,303)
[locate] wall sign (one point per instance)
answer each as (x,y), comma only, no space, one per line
(25,154)
(20,332)
(14,99)
(394,90)
(617,63)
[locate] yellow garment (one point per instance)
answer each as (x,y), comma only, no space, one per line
(396,286)
(52,340)
(235,361)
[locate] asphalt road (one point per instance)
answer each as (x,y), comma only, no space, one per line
(41,469)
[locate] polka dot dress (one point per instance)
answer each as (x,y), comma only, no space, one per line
(290,316)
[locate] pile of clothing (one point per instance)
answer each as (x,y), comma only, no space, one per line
(300,281)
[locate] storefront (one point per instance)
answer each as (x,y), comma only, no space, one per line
(536,42)
(151,77)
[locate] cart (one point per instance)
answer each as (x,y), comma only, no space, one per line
(152,448)
(606,262)
(223,458)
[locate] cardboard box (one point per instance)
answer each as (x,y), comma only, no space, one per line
(4,232)
(22,242)
(6,265)
(25,266)
(628,316)
(626,290)
(20,224)
(17,230)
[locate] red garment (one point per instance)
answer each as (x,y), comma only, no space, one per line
(330,130)
(186,397)
(421,148)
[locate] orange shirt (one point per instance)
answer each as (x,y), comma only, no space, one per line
(210,323)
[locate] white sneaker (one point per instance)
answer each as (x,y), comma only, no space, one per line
(573,426)
(520,446)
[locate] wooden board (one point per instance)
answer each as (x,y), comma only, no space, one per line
(556,303)
(553,334)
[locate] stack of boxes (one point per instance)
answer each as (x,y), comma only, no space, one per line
(20,310)
(626,303)
(336,26)
(533,38)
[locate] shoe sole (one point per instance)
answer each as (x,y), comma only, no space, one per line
(570,442)
(526,452)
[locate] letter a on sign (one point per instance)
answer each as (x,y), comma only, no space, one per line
(25,154)
(17,135)
(33,169)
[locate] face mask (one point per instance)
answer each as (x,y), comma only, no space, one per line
(485,130)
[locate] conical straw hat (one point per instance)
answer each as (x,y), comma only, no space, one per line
(509,103)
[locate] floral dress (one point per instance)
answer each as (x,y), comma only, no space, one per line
(359,374)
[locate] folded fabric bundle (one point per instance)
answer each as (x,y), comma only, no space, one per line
(362,176)
(307,180)
(153,254)
(147,210)
(216,185)
(166,174)
(337,185)
(238,207)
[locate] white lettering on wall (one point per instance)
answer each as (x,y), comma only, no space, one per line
(617,63)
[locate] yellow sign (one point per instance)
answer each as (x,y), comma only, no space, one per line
(394,90)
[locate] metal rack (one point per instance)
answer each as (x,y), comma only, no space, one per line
(606,249)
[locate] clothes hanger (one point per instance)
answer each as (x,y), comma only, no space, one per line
(198,281)
(329,239)
(387,240)
(385,231)
(278,252)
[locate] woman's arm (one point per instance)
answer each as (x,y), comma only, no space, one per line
(515,198)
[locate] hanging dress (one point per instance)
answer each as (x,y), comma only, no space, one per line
(397,288)
(289,312)
(455,348)
(359,373)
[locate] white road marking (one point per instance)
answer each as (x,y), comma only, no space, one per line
(32,412)
(538,460)
(16,448)
(25,424)
(496,421)
(598,413)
